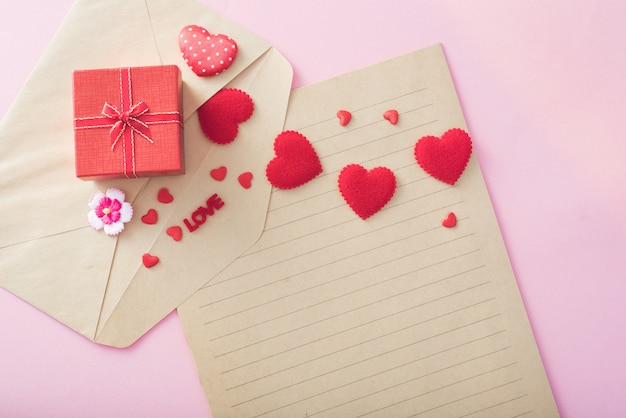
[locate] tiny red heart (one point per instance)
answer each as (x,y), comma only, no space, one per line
(176,232)
(344,117)
(366,192)
(245,179)
(450,221)
(219,174)
(445,159)
(164,196)
(151,217)
(392,116)
(296,161)
(149,260)
(206,54)
(221,115)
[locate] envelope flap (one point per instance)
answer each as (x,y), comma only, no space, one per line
(168,18)
(209,243)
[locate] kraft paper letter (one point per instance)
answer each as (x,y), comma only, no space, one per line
(330,315)
(49,255)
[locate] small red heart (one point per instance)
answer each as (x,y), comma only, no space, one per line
(296,161)
(445,159)
(205,53)
(366,192)
(245,179)
(176,232)
(151,217)
(450,221)
(149,260)
(219,173)
(221,115)
(164,196)
(392,116)
(344,117)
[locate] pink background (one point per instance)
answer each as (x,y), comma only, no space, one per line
(543,86)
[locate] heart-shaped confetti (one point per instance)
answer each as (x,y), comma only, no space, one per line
(149,260)
(296,161)
(219,173)
(445,159)
(344,117)
(245,179)
(221,115)
(206,54)
(164,196)
(176,232)
(450,221)
(151,217)
(392,116)
(366,191)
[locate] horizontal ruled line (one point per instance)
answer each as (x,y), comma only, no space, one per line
(466,397)
(317,267)
(368,341)
(355,111)
(389,279)
(378,374)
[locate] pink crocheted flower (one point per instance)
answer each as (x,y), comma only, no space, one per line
(109,211)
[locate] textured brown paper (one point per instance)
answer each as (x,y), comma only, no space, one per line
(49,255)
(329,315)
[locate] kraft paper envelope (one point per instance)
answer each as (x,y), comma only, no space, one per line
(49,255)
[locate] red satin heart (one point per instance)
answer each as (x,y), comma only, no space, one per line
(221,115)
(296,161)
(366,192)
(151,217)
(176,232)
(149,260)
(206,54)
(445,159)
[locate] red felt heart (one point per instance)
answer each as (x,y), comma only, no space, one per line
(176,232)
(245,179)
(296,161)
(445,159)
(450,221)
(151,217)
(392,116)
(149,260)
(344,117)
(205,53)
(221,115)
(219,173)
(164,196)
(366,192)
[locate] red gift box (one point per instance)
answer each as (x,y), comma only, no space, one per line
(128,122)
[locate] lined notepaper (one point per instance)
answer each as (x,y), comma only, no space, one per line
(328,315)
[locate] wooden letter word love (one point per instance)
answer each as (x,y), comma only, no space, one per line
(199,216)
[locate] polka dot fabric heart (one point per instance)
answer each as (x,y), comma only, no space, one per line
(206,54)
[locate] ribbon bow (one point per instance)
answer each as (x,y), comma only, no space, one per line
(129,119)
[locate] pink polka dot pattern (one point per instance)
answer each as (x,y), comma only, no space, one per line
(206,54)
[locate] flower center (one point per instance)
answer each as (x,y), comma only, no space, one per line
(106,211)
